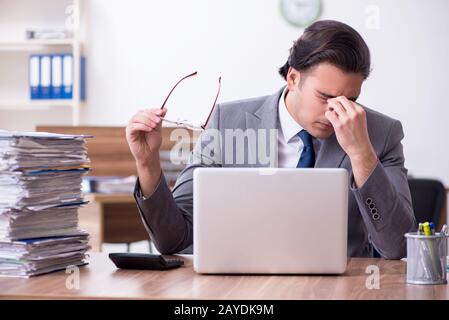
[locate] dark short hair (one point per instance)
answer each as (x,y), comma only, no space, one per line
(329,41)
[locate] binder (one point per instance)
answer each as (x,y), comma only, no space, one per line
(45,77)
(67,76)
(34,77)
(51,76)
(56,77)
(83,78)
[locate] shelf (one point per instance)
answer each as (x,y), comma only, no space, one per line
(31,105)
(12,45)
(26,45)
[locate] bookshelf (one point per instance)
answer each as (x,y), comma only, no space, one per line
(27,105)
(17,48)
(34,44)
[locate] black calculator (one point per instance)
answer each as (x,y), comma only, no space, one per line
(144,261)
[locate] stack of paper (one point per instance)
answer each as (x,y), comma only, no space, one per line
(40,184)
(24,258)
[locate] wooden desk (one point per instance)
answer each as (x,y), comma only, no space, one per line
(111,218)
(100,279)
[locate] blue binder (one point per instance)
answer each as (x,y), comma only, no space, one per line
(67,76)
(51,76)
(34,77)
(56,76)
(83,78)
(45,76)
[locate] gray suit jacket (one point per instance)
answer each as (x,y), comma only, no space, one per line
(380,212)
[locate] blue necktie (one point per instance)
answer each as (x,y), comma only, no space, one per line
(307,159)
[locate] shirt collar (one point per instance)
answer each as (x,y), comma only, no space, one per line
(289,126)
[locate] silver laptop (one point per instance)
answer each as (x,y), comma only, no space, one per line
(270,220)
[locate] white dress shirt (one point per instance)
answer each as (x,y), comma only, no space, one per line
(289,144)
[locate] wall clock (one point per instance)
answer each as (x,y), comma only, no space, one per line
(300,13)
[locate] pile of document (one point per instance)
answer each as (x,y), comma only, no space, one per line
(40,187)
(30,257)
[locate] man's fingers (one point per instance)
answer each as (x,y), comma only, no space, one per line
(145,123)
(145,119)
(136,127)
(158,112)
(151,115)
(331,115)
(347,105)
(338,108)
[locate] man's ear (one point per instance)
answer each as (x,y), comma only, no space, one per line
(293,78)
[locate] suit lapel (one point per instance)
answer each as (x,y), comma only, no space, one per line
(266,117)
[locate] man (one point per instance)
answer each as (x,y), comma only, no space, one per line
(319,125)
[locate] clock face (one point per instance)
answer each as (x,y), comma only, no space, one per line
(300,12)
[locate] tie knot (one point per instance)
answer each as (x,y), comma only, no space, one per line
(306,138)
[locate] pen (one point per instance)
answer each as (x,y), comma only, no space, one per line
(426,229)
(444,230)
(436,266)
(420,229)
(432,228)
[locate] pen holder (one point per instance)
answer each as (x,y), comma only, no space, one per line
(426,258)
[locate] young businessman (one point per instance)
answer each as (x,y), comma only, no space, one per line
(319,125)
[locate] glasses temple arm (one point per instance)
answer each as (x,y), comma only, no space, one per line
(213,106)
(165,101)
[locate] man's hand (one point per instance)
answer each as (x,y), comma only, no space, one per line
(351,131)
(144,136)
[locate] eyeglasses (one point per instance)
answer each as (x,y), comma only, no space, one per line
(186,123)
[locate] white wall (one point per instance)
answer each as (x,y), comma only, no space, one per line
(137,49)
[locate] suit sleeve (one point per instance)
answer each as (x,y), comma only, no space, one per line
(168,215)
(384,200)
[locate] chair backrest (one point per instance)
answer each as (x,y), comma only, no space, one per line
(429,199)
